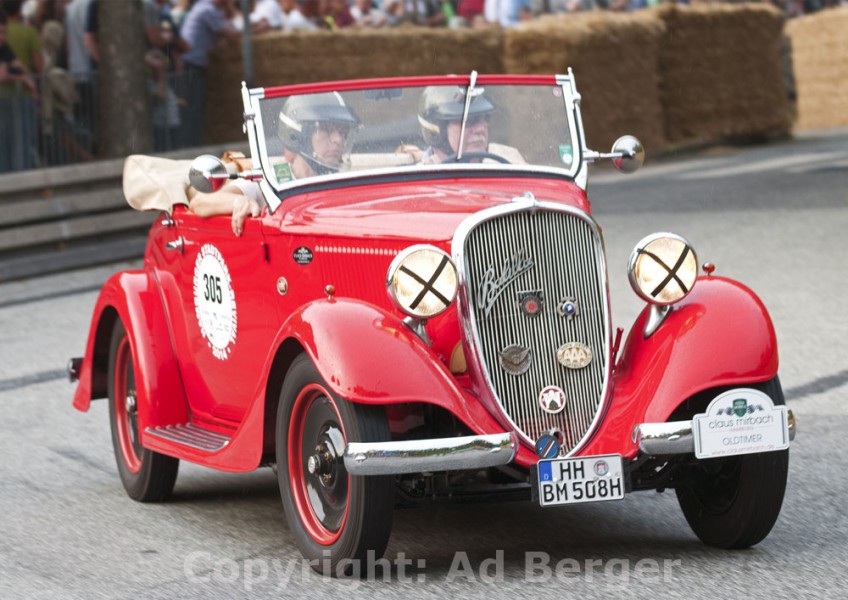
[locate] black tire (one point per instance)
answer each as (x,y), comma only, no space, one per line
(736,500)
(357,511)
(147,476)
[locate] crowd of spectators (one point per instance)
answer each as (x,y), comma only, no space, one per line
(49,55)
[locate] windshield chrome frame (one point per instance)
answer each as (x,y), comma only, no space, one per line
(275,192)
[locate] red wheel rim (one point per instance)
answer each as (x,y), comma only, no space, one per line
(314,420)
(126,417)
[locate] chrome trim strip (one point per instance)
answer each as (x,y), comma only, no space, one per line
(675,437)
(468,323)
(416,456)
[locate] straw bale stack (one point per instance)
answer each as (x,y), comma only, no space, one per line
(721,72)
(820,58)
(310,56)
(614,58)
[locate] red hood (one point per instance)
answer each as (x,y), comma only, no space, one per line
(425,211)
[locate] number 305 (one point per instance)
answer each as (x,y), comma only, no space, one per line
(213,289)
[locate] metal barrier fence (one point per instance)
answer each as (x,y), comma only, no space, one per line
(60,126)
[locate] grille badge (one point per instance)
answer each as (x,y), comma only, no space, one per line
(574,355)
(552,400)
(548,444)
(515,359)
(531,302)
(568,308)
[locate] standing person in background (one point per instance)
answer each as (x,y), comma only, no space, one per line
(507,13)
(293,17)
(428,13)
(25,42)
(266,15)
(79,63)
(365,14)
(11,74)
(205,22)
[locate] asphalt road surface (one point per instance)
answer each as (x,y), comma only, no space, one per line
(774,216)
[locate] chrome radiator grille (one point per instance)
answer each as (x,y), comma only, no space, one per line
(553,255)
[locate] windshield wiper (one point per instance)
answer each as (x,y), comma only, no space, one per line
(469,93)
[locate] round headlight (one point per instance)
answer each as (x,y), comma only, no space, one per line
(422,281)
(663,268)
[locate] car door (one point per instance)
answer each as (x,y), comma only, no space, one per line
(219,294)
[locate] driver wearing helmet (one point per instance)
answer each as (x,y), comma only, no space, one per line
(440,112)
(315,130)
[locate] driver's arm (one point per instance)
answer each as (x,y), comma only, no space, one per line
(239,198)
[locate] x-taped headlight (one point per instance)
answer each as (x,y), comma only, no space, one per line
(663,268)
(422,281)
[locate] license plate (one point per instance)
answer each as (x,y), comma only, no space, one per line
(583,479)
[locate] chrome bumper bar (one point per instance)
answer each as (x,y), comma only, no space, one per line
(416,456)
(676,437)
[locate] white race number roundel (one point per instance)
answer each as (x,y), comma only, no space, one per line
(215,301)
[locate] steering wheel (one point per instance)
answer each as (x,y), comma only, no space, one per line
(469,156)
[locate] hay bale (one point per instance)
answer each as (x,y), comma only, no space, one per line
(820,60)
(614,57)
(721,72)
(311,56)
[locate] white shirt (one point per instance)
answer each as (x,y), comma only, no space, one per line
(295,20)
(270,11)
(250,189)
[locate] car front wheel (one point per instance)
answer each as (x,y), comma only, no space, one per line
(734,502)
(335,518)
(147,475)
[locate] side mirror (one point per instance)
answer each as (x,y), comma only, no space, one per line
(207,173)
(628,154)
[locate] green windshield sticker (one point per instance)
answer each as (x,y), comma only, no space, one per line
(283,172)
(566,154)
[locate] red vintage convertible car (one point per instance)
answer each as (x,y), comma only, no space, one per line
(422,310)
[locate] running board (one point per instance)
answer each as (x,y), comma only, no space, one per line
(191,435)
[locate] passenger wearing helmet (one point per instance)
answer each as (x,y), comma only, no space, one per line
(315,130)
(440,111)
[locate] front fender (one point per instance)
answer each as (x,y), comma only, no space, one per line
(134,298)
(368,356)
(719,335)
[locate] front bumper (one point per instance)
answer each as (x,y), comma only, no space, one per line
(657,439)
(417,456)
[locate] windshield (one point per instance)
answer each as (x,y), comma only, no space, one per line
(432,124)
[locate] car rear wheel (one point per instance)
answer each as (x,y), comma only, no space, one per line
(147,476)
(336,518)
(734,502)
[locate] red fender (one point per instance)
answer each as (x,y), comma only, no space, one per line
(720,334)
(134,297)
(369,356)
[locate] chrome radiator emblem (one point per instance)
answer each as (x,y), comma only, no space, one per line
(574,355)
(495,283)
(515,359)
(552,400)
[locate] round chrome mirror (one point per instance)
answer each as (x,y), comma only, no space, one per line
(630,154)
(207,173)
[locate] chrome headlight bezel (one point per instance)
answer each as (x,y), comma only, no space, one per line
(677,280)
(436,294)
